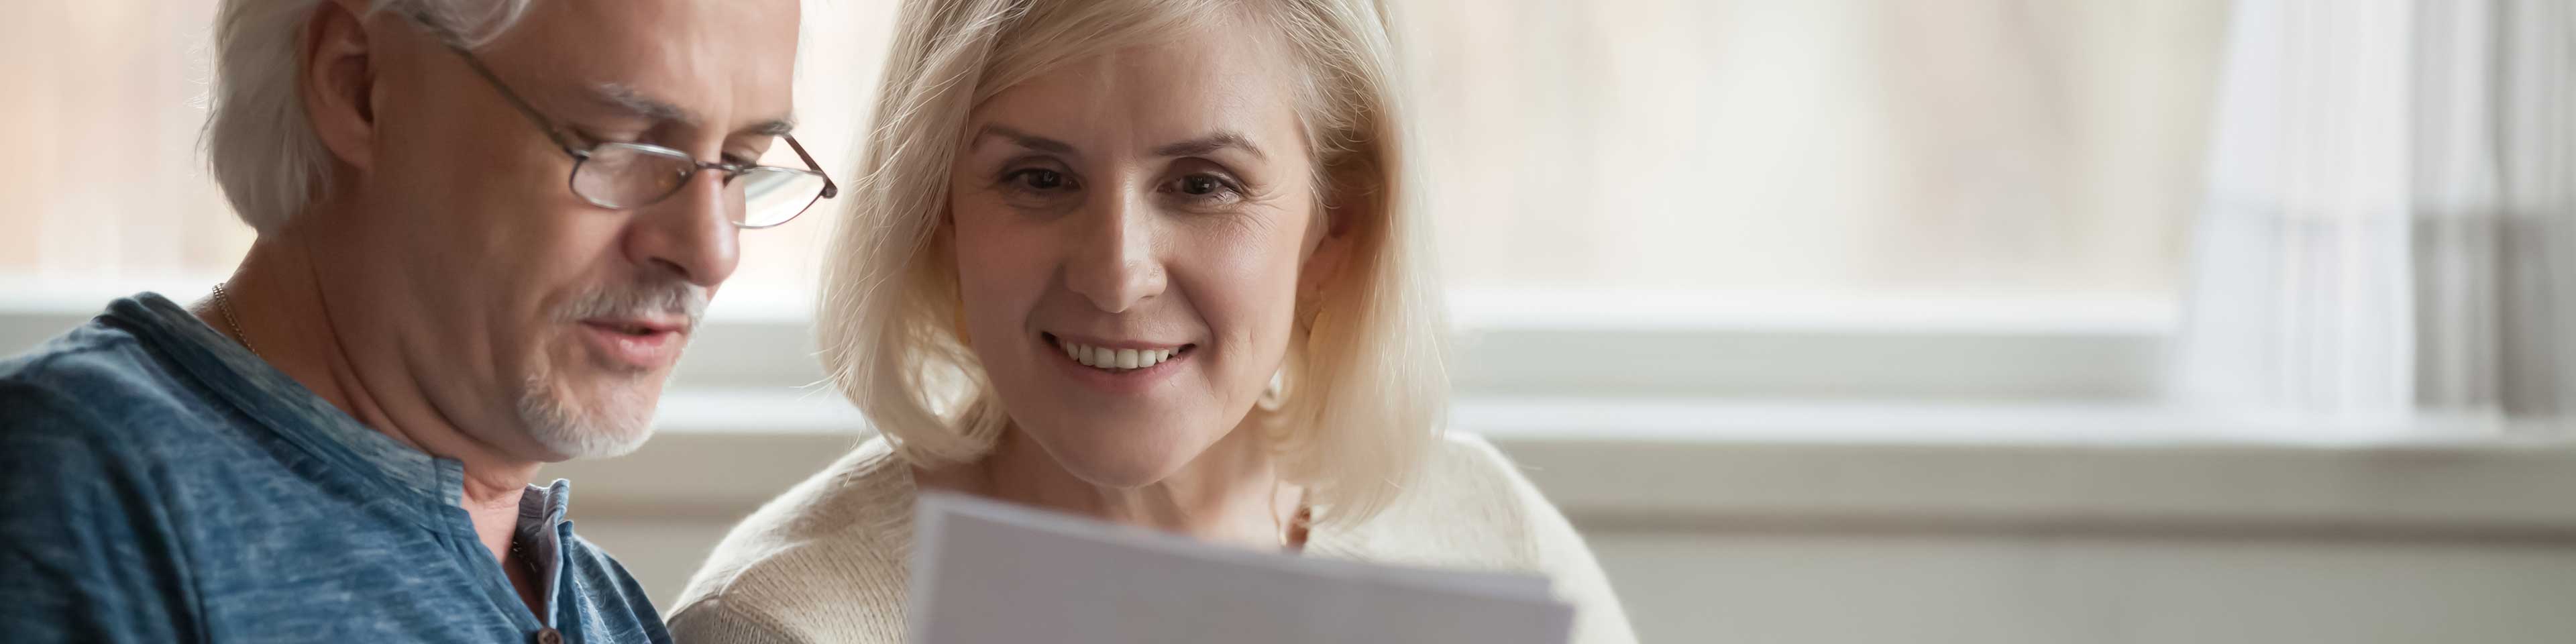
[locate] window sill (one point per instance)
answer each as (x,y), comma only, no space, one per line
(1518,343)
(1737,466)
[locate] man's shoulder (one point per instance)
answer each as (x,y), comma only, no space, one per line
(95,379)
(84,469)
(98,407)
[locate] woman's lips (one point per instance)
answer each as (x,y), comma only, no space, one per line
(1120,366)
(1119,358)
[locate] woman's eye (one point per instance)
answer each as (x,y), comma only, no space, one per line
(1204,187)
(1038,179)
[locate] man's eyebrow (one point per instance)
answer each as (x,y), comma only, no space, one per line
(629,99)
(1210,143)
(1026,140)
(620,96)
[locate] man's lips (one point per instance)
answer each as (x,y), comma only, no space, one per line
(640,325)
(638,343)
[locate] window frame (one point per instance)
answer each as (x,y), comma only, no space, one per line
(1529,343)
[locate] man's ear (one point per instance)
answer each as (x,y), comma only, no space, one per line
(338,80)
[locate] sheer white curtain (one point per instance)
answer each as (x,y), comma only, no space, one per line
(2390,226)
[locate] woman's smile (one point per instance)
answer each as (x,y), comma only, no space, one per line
(1119,366)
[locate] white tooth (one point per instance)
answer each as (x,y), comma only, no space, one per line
(1167,355)
(1147,358)
(1126,358)
(1102,357)
(1070,351)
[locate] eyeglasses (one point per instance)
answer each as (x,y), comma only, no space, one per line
(625,176)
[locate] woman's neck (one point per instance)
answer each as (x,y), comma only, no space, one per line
(1230,494)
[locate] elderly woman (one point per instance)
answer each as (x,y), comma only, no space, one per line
(1148,261)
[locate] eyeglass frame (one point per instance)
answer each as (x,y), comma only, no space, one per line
(580,155)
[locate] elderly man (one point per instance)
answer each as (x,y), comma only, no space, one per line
(486,228)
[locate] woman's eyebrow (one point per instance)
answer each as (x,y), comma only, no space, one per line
(1025,140)
(1210,143)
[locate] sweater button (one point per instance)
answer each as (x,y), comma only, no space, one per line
(548,636)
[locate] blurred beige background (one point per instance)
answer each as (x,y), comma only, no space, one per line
(1826,320)
(1845,148)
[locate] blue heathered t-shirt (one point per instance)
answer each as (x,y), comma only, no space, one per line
(158,483)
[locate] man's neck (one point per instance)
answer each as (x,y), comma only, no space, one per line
(1231,493)
(278,309)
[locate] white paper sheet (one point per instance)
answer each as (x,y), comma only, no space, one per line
(986,572)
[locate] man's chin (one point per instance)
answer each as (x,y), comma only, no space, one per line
(613,422)
(592,444)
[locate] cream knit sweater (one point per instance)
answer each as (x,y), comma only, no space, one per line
(826,561)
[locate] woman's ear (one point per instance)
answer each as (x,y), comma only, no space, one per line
(1328,245)
(943,252)
(943,240)
(339,77)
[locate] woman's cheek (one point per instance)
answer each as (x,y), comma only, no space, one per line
(1247,295)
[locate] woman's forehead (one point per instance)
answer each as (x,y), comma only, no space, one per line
(1200,86)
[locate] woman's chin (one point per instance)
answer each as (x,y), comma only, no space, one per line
(1119,464)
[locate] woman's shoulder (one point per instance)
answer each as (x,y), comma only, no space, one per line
(1472,508)
(1471,458)
(1468,506)
(1467,474)
(824,559)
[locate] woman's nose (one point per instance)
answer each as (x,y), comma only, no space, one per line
(1113,262)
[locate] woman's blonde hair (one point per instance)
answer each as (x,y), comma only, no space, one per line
(1364,387)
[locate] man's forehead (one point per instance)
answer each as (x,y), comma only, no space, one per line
(673,61)
(764,21)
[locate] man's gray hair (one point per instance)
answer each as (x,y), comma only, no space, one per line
(259,143)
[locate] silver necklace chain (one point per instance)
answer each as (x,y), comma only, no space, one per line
(225,304)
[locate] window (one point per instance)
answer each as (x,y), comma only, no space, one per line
(1846,147)
(1738,198)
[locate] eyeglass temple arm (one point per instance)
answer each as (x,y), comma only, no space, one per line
(553,133)
(556,134)
(829,189)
